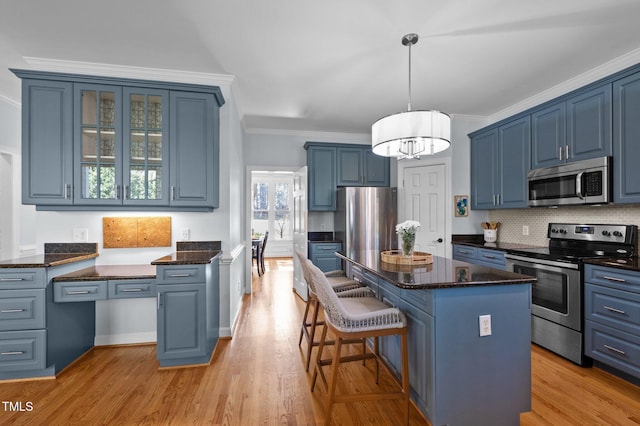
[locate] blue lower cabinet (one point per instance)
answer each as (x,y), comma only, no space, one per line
(323,255)
(188,314)
(480,256)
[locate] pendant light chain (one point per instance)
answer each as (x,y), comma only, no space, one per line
(409,105)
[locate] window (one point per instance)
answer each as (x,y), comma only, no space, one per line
(272,194)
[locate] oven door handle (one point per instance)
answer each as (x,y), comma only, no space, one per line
(535,261)
(579,185)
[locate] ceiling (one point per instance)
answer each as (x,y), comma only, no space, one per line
(333,65)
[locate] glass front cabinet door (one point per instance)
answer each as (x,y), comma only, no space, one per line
(98,145)
(146,147)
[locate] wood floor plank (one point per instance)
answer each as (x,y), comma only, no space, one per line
(258,378)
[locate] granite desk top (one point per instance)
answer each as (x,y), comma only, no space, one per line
(193,257)
(55,254)
(442,273)
(110,272)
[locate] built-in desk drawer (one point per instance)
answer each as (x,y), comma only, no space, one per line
(23,350)
(175,274)
(22,309)
(19,278)
(79,291)
(129,289)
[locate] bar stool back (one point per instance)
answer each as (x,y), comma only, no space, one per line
(357,318)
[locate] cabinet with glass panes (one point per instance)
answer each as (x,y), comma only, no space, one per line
(104,143)
(119,145)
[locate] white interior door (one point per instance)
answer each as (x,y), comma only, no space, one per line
(299,228)
(424,201)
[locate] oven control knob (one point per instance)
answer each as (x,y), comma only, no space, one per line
(563,231)
(606,233)
(617,233)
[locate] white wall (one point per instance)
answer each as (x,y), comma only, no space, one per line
(10,179)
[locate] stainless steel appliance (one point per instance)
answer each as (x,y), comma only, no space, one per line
(580,182)
(557,296)
(365,218)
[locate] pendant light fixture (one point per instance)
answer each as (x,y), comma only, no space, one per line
(412,133)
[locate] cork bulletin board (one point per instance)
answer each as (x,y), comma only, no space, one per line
(129,232)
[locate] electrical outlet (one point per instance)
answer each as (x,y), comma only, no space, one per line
(80,235)
(525,229)
(485,325)
(185,233)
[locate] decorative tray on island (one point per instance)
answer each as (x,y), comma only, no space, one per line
(396,257)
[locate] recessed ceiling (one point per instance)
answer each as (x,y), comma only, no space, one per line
(333,65)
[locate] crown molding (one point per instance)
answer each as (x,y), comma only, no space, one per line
(125,71)
(618,64)
(334,136)
(9,101)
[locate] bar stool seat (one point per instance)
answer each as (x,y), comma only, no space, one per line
(341,284)
(357,318)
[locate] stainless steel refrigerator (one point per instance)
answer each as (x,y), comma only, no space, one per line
(366,218)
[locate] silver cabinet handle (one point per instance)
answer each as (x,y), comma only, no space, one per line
(158,300)
(78,292)
(463,251)
(118,192)
(618,280)
(566,152)
(173,193)
(488,256)
(132,290)
(618,351)
(560,153)
(67,191)
(179,275)
(127,192)
(12,353)
(11,279)
(617,311)
(12,311)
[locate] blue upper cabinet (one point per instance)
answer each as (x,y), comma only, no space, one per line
(499,166)
(321,164)
(548,135)
(577,128)
(359,166)
(626,137)
(97,143)
(194,150)
(47,142)
(333,165)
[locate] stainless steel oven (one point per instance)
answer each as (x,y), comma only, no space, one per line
(556,304)
(557,319)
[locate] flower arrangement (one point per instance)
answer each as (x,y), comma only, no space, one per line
(407,231)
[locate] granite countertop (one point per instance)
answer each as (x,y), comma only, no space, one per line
(193,257)
(442,273)
(55,254)
(191,253)
(496,246)
(627,263)
(110,272)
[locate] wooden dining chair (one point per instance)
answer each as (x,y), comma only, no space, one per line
(263,247)
(255,255)
(351,318)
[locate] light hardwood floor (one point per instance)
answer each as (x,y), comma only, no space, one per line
(258,377)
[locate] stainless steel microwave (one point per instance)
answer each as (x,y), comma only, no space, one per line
(580,182)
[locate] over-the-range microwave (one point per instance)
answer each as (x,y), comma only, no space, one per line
(580,182)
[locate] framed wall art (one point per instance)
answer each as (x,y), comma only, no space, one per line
(461,205)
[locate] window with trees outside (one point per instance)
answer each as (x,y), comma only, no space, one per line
(272,195)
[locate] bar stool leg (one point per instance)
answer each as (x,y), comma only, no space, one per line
(405,375)
(334,379)
(312,332)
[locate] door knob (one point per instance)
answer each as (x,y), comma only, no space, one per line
(439,240)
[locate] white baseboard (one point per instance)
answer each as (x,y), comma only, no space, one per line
(125,339)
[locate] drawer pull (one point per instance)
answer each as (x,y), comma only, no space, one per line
(12,353)
(11,279)
(617,311)
(463,251)
(488,256)
(132,290)
(179,275)
(618,280)
(12,311)
(78,292)
(618,351)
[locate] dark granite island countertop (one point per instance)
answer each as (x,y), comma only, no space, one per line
(442,273)
(469,336)
(55,254)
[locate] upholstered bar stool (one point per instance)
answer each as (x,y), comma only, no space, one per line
(340,284)
(350,318)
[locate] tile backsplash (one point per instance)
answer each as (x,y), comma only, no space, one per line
(537,219)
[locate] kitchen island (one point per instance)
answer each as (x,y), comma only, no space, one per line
(457,375)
